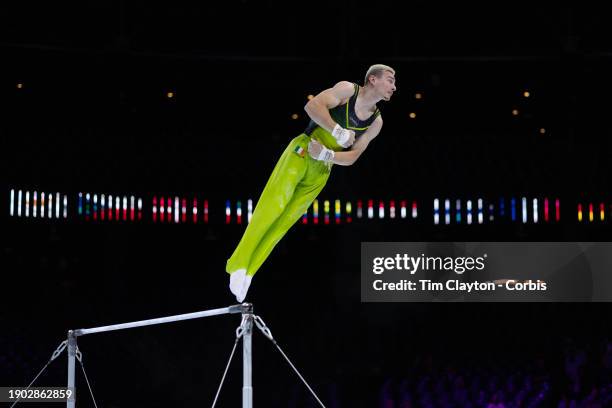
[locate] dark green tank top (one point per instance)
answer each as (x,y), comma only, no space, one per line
(345,116)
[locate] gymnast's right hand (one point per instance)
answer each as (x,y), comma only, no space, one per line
(344,137)
(319,152)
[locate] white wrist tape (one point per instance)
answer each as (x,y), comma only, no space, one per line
(341,134)
(326,155)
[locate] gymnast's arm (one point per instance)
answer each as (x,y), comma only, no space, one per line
(349,157)
(318,107)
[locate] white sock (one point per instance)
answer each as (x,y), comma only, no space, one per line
(237,279)
(245,288)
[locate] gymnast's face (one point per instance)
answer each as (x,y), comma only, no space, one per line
(385,85)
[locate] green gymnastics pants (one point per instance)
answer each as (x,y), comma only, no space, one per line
(296,181)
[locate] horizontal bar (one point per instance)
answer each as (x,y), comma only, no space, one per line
(160,320)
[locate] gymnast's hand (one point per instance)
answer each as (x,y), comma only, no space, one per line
(319,152)
(344,137)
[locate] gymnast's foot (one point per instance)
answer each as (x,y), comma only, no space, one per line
(237,279)
(245,288)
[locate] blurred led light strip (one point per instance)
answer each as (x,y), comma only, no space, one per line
(331,208)
(349,211)
(162,209)
(194,211)
(27,204)
(21,206)
(103,207)
(184,210)
(154,209)
(95,207)
(532,210)
(87,205)
(110,207)
(532,207)
(458,211)
(447,212)
(12,204)
(169,209)
(228,211)
(468,208)
(436,208)
(250,210)
(57,206)
(50,205)
(171,212)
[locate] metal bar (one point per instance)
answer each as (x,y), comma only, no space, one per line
(247,364)
(160,320)
(71,348)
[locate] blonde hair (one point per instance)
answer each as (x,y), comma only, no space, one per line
(377,70)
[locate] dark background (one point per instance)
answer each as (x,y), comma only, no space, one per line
(93,115)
